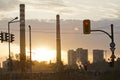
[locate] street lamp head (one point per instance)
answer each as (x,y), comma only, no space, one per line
(12,21)
(16,17)
(29,27)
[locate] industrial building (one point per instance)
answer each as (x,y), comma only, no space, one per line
(98,55)
(80,55)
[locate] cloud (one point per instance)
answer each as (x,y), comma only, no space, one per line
(46,4)
(117,11)
(55,6)
(69,9)
(8,5)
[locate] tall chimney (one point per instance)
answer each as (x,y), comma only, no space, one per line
(58,40)
(22,37)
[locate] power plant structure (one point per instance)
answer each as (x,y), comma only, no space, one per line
(22,37)
(58,39)
(58,44)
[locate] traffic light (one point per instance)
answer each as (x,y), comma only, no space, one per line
(1,37)
(85,66)
(86,26)
(6,37)
(12,37)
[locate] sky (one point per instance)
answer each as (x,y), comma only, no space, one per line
(69,9)
(41,15)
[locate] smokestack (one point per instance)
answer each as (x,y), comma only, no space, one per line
(58,40)
(22,37)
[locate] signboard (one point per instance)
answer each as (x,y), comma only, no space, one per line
(112,44)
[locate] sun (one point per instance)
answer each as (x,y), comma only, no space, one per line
(44,54)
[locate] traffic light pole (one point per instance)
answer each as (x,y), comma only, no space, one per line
(112,44)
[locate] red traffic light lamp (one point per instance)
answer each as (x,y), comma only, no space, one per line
(86,26)
(85,66)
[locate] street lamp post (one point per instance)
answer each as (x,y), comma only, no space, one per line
(30,51)
(12,21)
(10,60)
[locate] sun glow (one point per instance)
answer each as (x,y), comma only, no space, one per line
(44,54)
